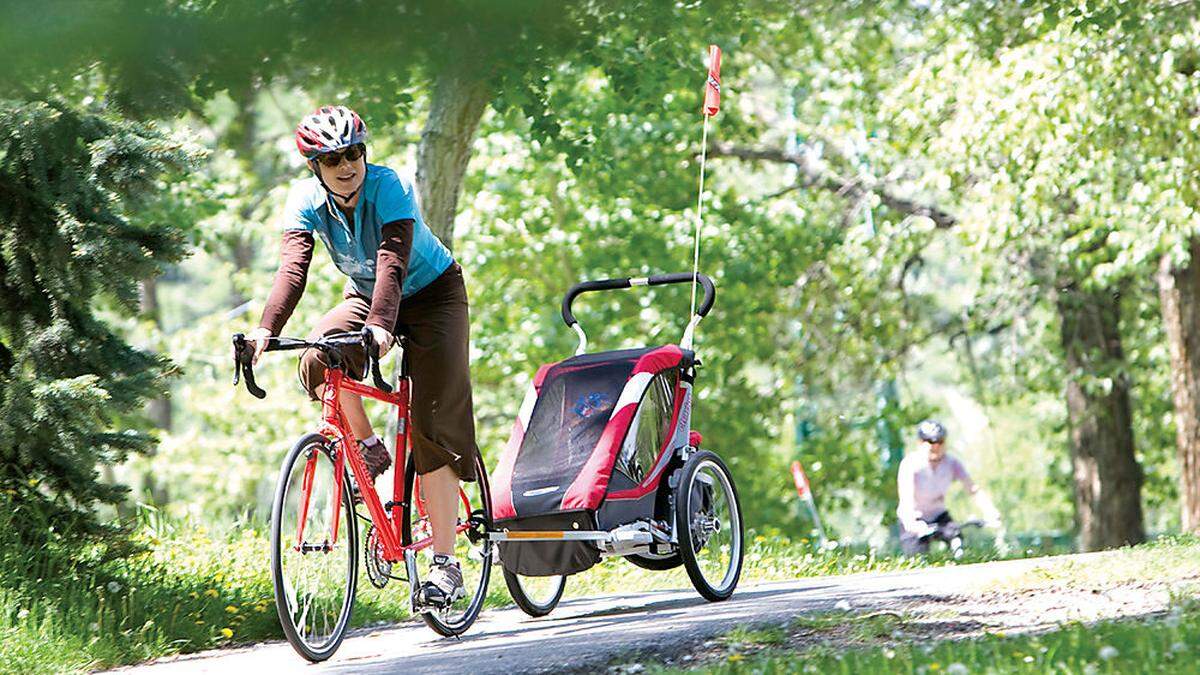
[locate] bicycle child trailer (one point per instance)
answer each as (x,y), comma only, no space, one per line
(602,461)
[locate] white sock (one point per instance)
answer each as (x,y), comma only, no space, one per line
(451,559)
(374,439)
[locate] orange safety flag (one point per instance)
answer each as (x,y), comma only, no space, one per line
(801,481)
(712,87)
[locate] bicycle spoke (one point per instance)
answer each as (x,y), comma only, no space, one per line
(315,573)
(713,528)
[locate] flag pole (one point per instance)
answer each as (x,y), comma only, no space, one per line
(712,105)
(699,216)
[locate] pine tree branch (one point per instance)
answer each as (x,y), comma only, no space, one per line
(816,173)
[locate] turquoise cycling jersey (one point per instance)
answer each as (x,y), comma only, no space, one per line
(385,197)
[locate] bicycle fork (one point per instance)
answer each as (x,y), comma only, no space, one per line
(306,490)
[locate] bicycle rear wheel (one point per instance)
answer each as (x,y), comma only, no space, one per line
(536,596)
(472,548)
(314,576)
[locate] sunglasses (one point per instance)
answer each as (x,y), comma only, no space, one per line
(352,153)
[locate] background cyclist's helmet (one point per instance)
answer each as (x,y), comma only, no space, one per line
(329,129)
(931,431)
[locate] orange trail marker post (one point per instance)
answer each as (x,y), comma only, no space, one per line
(804,491)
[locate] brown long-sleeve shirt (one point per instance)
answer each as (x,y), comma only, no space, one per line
(295,256)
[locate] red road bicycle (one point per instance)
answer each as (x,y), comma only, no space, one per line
(315,523)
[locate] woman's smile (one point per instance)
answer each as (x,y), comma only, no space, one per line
(346,177)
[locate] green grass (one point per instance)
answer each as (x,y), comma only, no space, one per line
(1167,558)
(1162,644)
(191,589)
(761,636)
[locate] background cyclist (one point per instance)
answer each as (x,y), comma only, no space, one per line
(401,279)
(924,478)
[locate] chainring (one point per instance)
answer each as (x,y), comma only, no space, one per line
(379,571)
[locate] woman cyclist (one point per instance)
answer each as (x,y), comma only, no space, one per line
(922,482)
(402,279)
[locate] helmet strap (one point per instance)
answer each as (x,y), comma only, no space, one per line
(312,166)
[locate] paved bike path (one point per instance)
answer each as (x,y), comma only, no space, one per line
(588,633)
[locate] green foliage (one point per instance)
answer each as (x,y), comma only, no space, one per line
(69,177)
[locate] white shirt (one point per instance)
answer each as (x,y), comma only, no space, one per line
(922,488)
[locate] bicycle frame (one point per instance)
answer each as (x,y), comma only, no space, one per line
(336,428)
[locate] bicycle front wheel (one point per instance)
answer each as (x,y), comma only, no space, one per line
(472,548)
(314,550)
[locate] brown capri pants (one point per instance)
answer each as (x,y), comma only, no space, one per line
(435,321)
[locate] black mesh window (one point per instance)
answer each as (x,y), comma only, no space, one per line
(570,415)
(650,427)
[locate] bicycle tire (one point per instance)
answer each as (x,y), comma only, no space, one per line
(526,602)
(692,541)
(285,601)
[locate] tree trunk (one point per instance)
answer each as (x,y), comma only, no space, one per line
(460,95)
(244,137)
(158,410)
(1108,479)
(1179,290)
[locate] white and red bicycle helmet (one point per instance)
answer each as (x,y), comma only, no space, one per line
(330,128)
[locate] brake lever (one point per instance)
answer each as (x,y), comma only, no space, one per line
(238,341)
(243,360)
(251,385)
(373,360)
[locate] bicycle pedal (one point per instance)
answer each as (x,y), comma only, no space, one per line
(422,598)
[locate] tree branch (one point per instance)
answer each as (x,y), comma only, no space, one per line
(816,173)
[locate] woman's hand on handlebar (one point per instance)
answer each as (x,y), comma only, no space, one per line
(258,336)
(383,339)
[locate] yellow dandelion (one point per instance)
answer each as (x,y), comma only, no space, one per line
(212,593)
(232,609)
(227,633)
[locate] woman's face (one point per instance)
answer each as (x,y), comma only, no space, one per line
(342,174)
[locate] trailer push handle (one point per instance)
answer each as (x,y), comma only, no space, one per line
(710,294)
